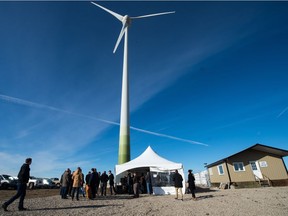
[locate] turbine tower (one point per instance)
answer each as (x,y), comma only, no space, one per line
(124,139)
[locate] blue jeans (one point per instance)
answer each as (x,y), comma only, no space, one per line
(77,192)
(149,188)
(63,192)
(21,192)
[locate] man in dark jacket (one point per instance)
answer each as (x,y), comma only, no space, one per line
(111,183)
(191,184)
(23,178)
(177,178)
(92,182)
(104,179)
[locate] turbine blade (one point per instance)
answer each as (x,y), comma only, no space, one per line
(118,16)
(150,15)
(120,37)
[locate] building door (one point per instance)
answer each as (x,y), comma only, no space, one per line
(256,169)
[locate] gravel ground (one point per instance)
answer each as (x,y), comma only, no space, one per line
(249,202)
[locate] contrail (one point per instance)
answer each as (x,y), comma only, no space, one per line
(168,136)
(41,106)
(282,112)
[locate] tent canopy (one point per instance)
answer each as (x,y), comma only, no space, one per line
(149,158)
(161,171)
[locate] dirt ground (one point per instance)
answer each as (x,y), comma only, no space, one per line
(34,193)
(268,201)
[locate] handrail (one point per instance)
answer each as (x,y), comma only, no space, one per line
(257,179)
(266,177)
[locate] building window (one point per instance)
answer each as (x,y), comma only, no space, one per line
(263,164)
(238,166)
(220,169)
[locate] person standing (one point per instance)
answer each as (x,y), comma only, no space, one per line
(23,178)
(130,183)
(142,185)
(104,179)
(87,188)
(136,185)
(77,181)
(191,184)
(148,183)
(64,183)
(82,184)
(111,183)
(97,182)
(92,182)
(177,178)
(70,184)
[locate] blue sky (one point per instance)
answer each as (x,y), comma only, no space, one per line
(205,82)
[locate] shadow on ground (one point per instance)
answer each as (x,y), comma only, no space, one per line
(72,207)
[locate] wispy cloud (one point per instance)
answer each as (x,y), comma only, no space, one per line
(240,121)
(41,106)
(283,111)
(168,136)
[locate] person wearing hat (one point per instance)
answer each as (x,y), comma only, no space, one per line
(191,183)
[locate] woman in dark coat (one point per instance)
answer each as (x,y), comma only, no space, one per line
(191,184)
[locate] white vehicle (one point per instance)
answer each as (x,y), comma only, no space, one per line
(8,181)
(48,183)
(56,182)
(34,182)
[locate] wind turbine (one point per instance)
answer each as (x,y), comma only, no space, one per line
(124,139)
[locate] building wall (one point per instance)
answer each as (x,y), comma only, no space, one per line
(215,177)
(245,157)
(272,167)
(275,169)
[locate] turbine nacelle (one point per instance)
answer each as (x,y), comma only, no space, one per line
(126,20)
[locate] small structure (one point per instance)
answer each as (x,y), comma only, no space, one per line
(259,165)
(161,171)
(201,178)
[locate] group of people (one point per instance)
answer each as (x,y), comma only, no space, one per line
(177,178)
(72,183)
(136,184)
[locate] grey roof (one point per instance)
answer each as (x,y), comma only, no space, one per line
(257,147)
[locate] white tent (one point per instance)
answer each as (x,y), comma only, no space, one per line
(161,171)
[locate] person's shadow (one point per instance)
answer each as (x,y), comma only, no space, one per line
(71,207)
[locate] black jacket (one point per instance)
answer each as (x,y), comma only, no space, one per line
(178,180)
(111,179)
(191,181)
(87,178)
(93,179)
(104,178)
(24,174)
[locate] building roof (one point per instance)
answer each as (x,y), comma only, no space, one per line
(257,147)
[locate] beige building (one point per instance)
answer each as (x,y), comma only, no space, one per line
(256,166)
